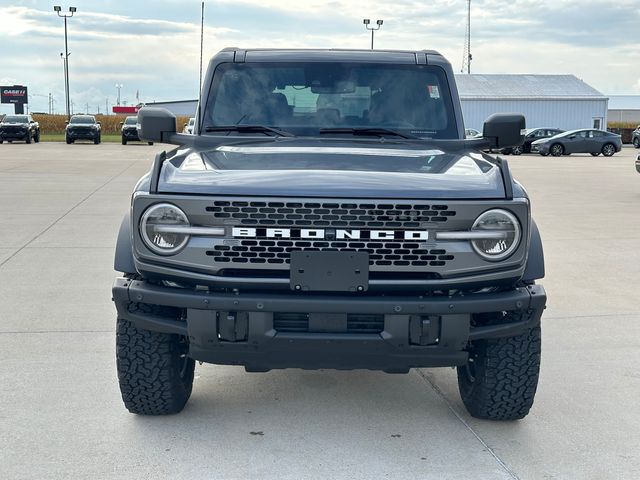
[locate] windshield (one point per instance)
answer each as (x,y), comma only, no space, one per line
(15,119)
(131,121)
(86,119)
(303,98)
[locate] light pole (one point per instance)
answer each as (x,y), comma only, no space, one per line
(118,87)
(367,22)
(72,10)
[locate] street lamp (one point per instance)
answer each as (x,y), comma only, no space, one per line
(367,22)
(72,10)
(119,87)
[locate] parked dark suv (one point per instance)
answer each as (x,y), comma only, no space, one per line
(328,212)
(531,136)
(83,127)
(129,131)
(19,127)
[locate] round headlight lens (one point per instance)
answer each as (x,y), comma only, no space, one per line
(505,229)
(163,242)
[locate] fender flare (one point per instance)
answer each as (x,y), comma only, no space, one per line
(535,261)
(123,261)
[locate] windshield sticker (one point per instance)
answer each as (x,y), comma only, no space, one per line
(377,152)
(434,91)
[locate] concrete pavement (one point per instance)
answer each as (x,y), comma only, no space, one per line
(60,411)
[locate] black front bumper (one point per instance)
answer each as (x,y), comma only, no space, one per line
(13,134)
(239,329)
(130,134)
(83,134)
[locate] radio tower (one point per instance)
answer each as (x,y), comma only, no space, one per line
(466,54)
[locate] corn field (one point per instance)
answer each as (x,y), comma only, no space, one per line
(52,124)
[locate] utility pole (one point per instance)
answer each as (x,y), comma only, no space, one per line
(106,106)
(118,87)
(466,54)
(72,10)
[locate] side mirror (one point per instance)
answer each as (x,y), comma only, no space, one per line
(155,124)
(98,123)
(121,123)
(504,130)
(66,122)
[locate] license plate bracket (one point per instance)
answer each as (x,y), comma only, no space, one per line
(329,271)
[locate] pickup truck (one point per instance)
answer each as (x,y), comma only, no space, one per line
(328,212)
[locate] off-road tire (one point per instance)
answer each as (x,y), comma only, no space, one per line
(68,140)
(124,142)
(155,375)
(36,138)
(608,149)
(97,140)
(500,380)
(636,142)
(28,137)
(556,150)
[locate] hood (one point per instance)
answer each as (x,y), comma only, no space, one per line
(332,169)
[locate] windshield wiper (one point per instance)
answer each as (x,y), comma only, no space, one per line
(368,131)
(248,129)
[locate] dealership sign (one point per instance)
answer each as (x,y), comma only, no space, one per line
(14,94)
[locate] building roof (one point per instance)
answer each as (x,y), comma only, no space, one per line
(529,87)
(624,102)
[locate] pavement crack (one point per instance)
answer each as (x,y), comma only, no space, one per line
(87,197)
(453,410)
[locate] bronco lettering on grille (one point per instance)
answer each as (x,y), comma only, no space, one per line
(321,233)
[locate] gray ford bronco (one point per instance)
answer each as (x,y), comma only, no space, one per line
(328,212)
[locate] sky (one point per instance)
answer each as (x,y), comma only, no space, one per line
(152,48)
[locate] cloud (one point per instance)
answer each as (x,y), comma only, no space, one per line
(156,51)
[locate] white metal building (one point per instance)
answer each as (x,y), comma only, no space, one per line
(624,108)
(177,107)
(560,101)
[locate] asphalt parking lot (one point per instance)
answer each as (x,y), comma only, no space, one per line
(61,415)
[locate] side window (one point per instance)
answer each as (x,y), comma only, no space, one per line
(540,133)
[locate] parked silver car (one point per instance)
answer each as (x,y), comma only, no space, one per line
(590,141)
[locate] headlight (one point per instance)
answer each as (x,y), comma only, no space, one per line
(151,228)
(505,230)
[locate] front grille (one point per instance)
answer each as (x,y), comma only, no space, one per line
(14,129)
(325,214)
(278,251)
(356,323)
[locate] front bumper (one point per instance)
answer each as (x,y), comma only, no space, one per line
(130,134)
(541,148)
(13,134)
(239,329)
(83,135)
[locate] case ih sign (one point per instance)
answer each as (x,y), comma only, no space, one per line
(14,94)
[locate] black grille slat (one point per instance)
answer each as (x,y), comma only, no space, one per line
(380,253)
(356,323)
(383,215)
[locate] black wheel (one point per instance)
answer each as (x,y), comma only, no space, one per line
(636,142)
(500,380)
(28,137)
(150,143)
(518,150)
(67,139)
(556,150)
(154,371)
(37,137)
(594,154)
(1,142)
(608,150)
(96,140)
(124,141)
